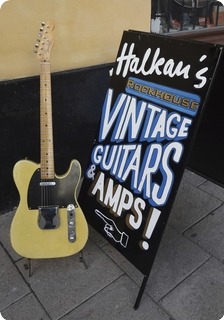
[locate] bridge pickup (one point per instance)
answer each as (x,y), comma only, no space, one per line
(48,217)
(71,223)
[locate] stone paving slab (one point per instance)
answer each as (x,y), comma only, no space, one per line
(5,224)
(176,259)
(27,308)
(186,282)
(116,302)
(209,233)
(193,178)
(213,189)
(200,296)
(12,285)
(62,284)
(190,206)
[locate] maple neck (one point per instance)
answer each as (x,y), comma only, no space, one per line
(46,125)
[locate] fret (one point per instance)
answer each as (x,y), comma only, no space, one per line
(46,126)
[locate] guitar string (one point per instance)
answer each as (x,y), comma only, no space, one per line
(46,191)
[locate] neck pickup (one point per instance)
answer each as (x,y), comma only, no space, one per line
(47,183)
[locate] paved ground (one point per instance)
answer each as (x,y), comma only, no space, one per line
(186,283)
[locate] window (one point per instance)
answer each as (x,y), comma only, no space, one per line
(185,15)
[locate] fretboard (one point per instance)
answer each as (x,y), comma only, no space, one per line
(46,126)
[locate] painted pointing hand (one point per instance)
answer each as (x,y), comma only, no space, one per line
(112,230)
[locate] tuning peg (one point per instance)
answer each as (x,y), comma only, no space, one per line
(37,45)
(43,24)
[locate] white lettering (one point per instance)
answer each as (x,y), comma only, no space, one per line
(128,61)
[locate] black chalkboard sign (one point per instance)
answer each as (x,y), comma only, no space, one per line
(157,92)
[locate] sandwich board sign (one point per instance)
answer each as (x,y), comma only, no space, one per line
(157,92)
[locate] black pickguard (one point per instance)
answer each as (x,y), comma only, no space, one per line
(60,194)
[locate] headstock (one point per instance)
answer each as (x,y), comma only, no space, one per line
(45,42)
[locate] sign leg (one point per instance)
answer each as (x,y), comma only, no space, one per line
(141,291)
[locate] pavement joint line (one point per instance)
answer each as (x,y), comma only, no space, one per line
(24,280)
(186,277)
(198,221)
(90,297)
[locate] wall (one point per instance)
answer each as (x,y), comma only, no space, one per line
(87,32)
(87,36)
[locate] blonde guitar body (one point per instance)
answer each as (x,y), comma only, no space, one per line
(33,236)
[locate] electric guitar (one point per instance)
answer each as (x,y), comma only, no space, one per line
(48,222)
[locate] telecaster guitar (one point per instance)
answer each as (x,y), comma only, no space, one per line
(48,222)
